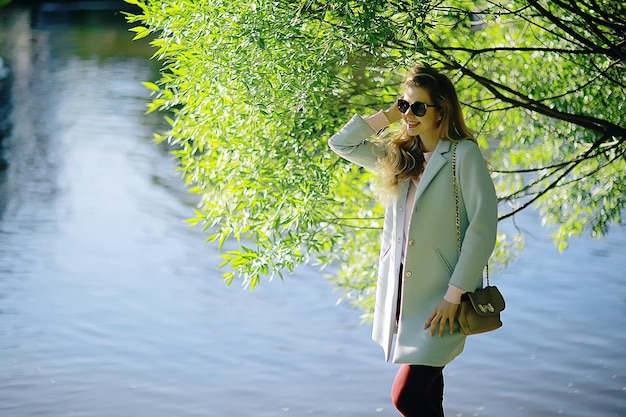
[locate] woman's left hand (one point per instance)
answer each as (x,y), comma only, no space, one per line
(393,113)
(444,312)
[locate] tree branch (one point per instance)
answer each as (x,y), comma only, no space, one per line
(579,158)
(593,23)
(554,183)
(520,100)
(559,23)
(520,49)
(609,17)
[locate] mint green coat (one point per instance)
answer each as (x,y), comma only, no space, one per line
(431,260)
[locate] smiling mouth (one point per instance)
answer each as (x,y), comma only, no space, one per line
(411,125)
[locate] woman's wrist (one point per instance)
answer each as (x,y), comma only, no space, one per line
(453,295)
(378,121)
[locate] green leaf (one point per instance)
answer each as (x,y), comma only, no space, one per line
(141,31)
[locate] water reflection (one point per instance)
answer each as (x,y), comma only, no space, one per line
(110,306)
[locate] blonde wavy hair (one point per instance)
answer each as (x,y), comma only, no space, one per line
(404,157)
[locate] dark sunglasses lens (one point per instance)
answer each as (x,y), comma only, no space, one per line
(403,105)
(418,109)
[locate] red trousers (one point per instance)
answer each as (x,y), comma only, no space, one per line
(417,391)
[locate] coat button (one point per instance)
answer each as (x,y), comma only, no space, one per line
(411,242)
(408,274)
(401,208)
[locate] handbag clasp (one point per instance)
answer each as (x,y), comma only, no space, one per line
(486,308)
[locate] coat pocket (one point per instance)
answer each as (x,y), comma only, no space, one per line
(444,261)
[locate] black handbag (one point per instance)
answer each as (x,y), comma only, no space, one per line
(479,311)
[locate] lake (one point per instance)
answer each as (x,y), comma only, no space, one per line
(110,305)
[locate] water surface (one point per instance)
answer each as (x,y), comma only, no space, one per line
(111,306)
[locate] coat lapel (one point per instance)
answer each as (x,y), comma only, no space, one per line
(437,161)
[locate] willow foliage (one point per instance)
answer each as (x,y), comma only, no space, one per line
(255,88)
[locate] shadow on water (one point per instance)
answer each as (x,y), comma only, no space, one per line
(110,306)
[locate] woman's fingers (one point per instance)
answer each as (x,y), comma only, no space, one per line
(451,323)
(445,312)
(393,113)
(430,319)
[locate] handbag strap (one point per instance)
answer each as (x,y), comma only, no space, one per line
(455,183)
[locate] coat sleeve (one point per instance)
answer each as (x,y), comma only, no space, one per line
(481,206)
(350,143)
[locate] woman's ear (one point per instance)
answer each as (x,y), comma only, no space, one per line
(439,121)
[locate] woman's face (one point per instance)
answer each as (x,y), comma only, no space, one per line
(426,126)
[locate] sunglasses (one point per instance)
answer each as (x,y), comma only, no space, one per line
(418,108)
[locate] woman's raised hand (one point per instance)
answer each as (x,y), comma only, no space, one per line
(393,113)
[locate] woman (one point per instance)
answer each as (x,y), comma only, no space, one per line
(421,275)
